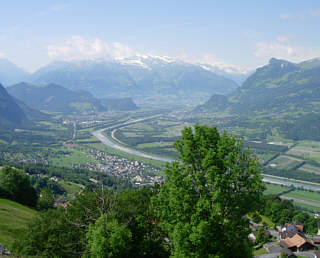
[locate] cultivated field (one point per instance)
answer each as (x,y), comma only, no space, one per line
(307,150)
(285,162)
(275,189)
(307,196)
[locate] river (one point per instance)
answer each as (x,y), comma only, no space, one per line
(98,134)
(266,178)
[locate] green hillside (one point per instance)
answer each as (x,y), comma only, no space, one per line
(10,112)
(13,218)
(277,87)
(55,98)
(123,104)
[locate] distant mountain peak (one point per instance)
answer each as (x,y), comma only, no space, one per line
(146,61)
(10,112)
(11,73)
(281,62)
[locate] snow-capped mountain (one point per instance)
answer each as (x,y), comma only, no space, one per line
(143,77)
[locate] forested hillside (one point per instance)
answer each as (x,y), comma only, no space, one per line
(280,86)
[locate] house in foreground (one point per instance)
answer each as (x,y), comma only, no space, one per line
(293,238)
(297,243)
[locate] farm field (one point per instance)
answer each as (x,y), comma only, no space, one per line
(308,207)
(312,197)
(275,189)
(13,218)
(265,157)
(285,162)
(71,158)
(307,150)
(310,169)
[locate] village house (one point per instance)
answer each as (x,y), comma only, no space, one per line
(297,243)
(293,238)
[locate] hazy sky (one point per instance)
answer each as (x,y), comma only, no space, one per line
(242,34)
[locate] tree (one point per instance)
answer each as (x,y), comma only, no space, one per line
(202,205)
(46,200)
(262,237)
(133,209)
(108,238)
(62,232)
(256,218)
(16,186)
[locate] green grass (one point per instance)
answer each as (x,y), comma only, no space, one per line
(52,125)
(267,221)
(308,150)
(259,251)
(13,218)
(286,162)
(307,206)
(68,160)
(310,144)
(310,169)
(305,195)
(275,189)
(265,157)
(70,187)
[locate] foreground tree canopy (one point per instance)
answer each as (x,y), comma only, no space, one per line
(198,212)
(15,185)
(206,196)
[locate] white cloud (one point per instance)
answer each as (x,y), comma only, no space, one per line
(78,48)
(287,51)
(2,54)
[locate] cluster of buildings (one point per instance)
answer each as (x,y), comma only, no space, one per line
(137,172)
(291,241)
(293,238)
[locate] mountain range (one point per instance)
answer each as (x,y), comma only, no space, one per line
(10,73)
(279,86)
(143,78)
(10,112)
(15,113)
(55,98)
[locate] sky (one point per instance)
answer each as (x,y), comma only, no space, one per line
(241,35)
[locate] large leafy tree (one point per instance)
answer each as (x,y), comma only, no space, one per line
(202,205)
(133,209)
(108,238)
(16,186)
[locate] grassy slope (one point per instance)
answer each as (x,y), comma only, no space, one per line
(13,217)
